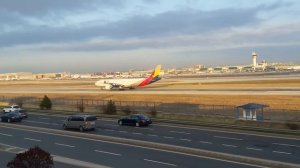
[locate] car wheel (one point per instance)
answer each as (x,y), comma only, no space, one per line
(137,124)
(81,129)
(8,120)
(120,123)
(64,127)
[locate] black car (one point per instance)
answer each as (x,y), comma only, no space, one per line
(11,117)
(135,120)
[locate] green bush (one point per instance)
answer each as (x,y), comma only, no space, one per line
(110,108)
(46,103)
(33,158)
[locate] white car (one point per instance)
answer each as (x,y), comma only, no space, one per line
(11,108)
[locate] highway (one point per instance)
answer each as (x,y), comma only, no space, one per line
(105,153)
(243,144)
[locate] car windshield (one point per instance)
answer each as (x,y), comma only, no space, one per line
(92,118)
(11,114)
(144,117)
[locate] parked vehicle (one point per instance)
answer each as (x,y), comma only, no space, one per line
(11,108)
(81,122)
(11,117)
(135,120)
(22,113)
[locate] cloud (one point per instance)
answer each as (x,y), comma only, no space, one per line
(42,7)
(165,24)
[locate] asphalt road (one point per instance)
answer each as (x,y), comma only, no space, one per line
(105,153)
(244,144)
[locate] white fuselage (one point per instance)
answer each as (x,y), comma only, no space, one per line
(124,83)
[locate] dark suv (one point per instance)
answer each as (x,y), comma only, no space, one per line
(81,122)
(135,120)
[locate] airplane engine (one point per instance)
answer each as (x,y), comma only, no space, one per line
(108,87)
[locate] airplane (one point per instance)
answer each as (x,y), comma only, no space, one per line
(130,83)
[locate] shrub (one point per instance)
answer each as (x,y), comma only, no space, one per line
(46,103)
(33,158)
(110,108)
(292,126)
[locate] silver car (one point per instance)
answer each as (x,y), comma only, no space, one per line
(81,122)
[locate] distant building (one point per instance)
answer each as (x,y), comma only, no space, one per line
(254,59)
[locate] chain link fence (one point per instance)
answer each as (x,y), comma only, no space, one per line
(179,109)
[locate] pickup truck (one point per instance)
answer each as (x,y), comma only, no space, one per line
(11,108)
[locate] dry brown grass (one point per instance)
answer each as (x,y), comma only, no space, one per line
(290,102)
(275,101)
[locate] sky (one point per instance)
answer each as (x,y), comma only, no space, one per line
(117,35)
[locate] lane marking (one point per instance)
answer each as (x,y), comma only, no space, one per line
(185,140)
(282,152)
(233,146)
(152,135)
(185,127)
(256,149)
(64,145)
(223,131)
(37,122)
(136,133)
(222,137)
(110,153)
(167,137)
(123,131)
(286,145)
(137,146)
(151,129)
(30,139)
(44,118)
(6,134)
(56,158)
(205,142)
(110,130)
(179,132)
(111,125)
(10,148)
(164,163)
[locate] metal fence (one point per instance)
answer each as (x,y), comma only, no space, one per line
(96,106)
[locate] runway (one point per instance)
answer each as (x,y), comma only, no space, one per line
(275,84)
(246,91)
(239,143)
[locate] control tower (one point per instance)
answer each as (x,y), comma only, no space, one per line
(254,57)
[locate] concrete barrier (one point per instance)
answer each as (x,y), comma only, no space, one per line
(158,146)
